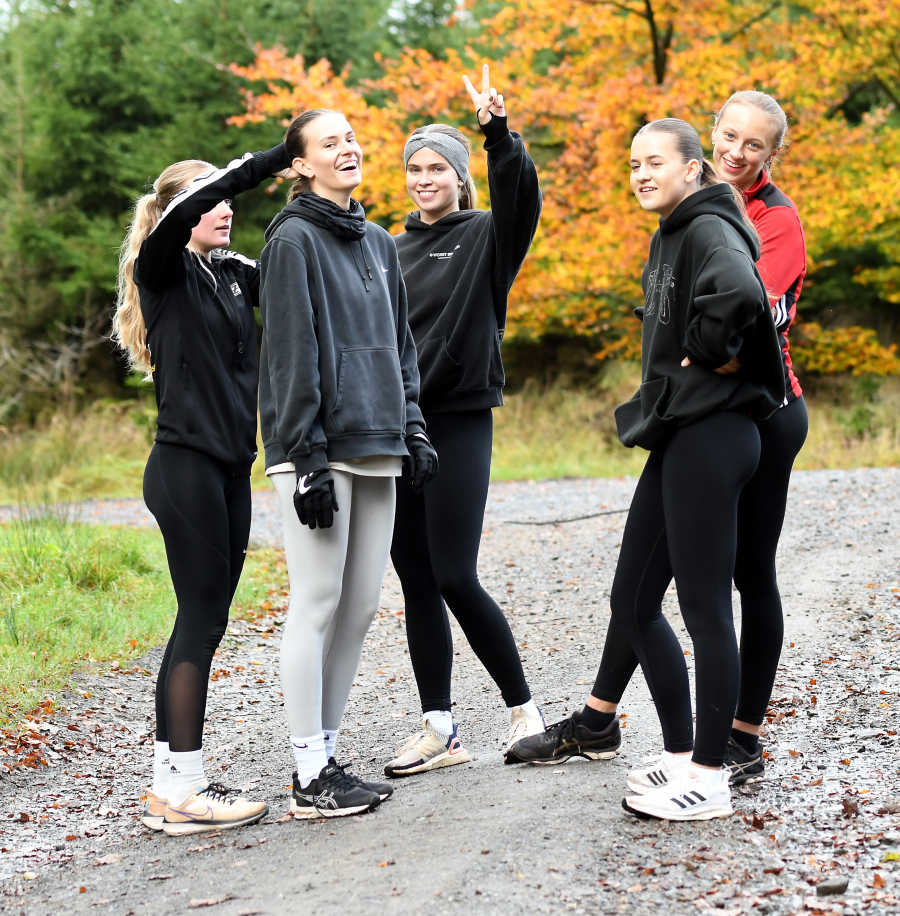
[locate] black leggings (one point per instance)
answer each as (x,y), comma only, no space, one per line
(435,553)
(760,518)
(204,515)
(683,523)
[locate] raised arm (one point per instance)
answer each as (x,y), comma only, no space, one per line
(512,179)
(160,255)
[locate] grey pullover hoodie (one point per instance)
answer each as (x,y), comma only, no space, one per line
(338,376)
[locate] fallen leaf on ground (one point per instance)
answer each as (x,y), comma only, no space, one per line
(195,902)
(110,859)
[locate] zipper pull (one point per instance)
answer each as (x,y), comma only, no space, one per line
(240,346)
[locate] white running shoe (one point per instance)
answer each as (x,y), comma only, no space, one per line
(661,769)
(427,750)
(522,726)
(212,807)
(688,796)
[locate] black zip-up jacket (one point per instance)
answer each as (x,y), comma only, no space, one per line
(458,273)
(338,375)
(704,299)
(201,332)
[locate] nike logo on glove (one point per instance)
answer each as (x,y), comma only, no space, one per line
(302,486)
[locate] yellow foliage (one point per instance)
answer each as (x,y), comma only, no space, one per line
(856,350)
(580,77)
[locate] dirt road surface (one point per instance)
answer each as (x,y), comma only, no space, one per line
(487,838)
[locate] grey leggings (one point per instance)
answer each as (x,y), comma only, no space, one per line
(335,577)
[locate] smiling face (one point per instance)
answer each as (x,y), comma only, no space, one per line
(213,230)
(744,140)
(659,179)
(432,184)
(332,160)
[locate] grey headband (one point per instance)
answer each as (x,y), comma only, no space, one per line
(452,150)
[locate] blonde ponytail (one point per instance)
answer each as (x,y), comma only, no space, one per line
(128,329)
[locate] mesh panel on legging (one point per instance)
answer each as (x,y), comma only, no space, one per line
(437,535)
(204,516)
(761,510)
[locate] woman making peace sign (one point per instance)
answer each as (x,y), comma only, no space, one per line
(459,264)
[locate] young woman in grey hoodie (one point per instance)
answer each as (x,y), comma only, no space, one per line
(338,406)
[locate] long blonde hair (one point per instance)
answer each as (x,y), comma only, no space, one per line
(128,329)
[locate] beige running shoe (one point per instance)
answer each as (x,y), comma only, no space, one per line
(154,812)
(212,807)
(521,726)
(429,749)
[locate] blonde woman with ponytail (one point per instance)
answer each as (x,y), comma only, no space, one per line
(185,318)
(459,264)
(710,368)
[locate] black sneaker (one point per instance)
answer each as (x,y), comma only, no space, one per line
(564,740)
(331,794)
(744,767)
(382,789)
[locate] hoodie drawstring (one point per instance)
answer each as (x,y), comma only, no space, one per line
(368,269)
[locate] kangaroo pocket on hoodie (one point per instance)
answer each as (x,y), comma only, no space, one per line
(436,364)
(360,405)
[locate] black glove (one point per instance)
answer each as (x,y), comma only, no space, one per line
(314,499)
(422,462)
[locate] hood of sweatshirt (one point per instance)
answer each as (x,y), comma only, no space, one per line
(349,225)
(446,223)
(716,200)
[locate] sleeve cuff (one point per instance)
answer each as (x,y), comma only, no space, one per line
(494,131)
(413,428)
(273,160)
(316,460)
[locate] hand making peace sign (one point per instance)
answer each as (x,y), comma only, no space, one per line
(488,102)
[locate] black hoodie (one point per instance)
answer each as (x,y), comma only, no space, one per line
(200,326)
(338,375)
(704,299)
(458,274)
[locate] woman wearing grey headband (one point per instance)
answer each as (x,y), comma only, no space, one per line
(459,264)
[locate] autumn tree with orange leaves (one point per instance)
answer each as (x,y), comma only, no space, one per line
(581,76)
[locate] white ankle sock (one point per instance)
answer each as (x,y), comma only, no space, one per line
(441,720)
(530,709)
(310,756)
(676,762)
(161,764)
(330,741)
(711,778)
(185,774)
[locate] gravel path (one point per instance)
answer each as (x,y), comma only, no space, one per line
(488,838)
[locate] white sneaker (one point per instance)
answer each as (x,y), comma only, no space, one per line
(661,770)
(688,796)
(522,726)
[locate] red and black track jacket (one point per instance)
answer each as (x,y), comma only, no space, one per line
(782,264)
(201,331)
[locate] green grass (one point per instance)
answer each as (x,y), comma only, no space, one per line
(557,431)
(544,431)
(76,596)
(72,595)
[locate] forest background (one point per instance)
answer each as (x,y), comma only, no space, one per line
(98,96)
